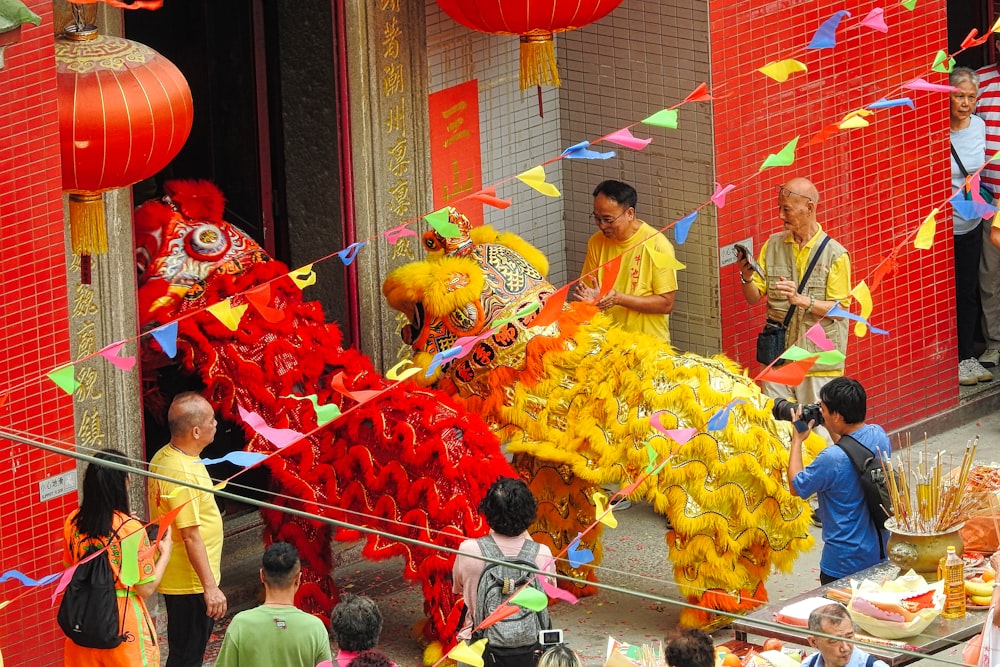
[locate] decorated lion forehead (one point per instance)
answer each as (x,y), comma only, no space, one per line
(181,238)
(468,281)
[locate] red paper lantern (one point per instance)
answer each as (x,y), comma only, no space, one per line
(124,112)
(535,21)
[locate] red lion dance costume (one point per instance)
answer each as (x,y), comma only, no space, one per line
(409,462)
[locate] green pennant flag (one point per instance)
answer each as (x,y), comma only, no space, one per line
(942,63)
(796,353)
(65,377)
(439,221)
(910,4)
(651,454)
(130,558)
(665,118)
(324,413)
(783,158)
(531,598)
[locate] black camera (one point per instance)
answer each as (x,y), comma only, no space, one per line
(785,411)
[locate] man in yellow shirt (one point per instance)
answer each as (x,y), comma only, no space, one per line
(783,260)
(643,292)
(190,585)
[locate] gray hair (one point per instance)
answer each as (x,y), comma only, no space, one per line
(960,74)
(833,614)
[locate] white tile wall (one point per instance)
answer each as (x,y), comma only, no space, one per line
(644,56)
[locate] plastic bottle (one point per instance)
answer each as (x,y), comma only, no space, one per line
(954,585)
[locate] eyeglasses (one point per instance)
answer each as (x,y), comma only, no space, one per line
(785,192)
(604,222)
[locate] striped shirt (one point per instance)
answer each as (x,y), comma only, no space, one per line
(988,108)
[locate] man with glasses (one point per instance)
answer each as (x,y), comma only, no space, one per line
(783,261)
(642,295)
(833,619)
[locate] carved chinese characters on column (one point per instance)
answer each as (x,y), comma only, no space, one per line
(89,394)
(393,89)
(456,158)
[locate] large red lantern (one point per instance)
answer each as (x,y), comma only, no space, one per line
(124,112)
(535,21)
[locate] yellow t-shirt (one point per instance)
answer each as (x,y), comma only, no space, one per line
(645,270)
(180,578)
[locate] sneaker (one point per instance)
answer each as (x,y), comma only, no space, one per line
(981,373)
(968,372)
(990,358)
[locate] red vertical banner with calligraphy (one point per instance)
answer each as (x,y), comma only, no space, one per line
(456,155)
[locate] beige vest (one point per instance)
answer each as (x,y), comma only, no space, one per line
(780,262)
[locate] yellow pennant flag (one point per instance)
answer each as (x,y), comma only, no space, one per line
(535,178)
(227,314)
(397,372)
(469,655)
(600,505)
(996,27)
(925,235)
(864,297)
(852,122)
(663,260)
(303,277)
(782,69)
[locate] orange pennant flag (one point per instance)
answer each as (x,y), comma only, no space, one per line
(824,134)
(360,395)
(888,265)
(791,374)
(500,613)
(609,274)
(699,94)
(552,309)
(259,297)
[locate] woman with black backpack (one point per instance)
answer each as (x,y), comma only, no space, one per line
(103,611)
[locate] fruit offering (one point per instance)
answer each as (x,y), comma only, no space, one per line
(979,588)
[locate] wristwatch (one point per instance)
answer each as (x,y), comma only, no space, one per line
(744,280)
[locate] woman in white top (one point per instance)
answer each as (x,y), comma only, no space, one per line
(968,153)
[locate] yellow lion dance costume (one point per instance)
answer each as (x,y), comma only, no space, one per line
(572,402)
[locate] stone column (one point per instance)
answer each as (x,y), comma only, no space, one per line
(107,403)
(386,43)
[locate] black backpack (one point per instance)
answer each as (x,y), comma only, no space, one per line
(513,641)
(873,484)
(88,613)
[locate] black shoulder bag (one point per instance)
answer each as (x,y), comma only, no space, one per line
(771,341)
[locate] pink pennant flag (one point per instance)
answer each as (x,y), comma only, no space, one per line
(111,354)
(557,593)
(361,395)
(279,437)
(921,84)
(681,435)
(654,421)
(624,137)
(399,231)
(719,198)
(66,576)
(875,20)
(818,336)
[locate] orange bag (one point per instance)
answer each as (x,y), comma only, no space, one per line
(980,534)
(972,650)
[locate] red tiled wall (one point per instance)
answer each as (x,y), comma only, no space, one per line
(34,338)
(876,184)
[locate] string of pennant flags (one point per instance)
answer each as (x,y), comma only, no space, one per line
(824,38)
(259,297)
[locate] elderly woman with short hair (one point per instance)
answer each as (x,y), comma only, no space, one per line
(968,154)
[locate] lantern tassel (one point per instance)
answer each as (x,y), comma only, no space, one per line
(538,61)
(88,231)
